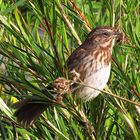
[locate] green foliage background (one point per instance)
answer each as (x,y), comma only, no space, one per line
(36,38)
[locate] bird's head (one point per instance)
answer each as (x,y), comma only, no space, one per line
(104,37)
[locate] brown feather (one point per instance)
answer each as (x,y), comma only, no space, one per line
(28,111)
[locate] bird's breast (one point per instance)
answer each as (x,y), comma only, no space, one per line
(97,80)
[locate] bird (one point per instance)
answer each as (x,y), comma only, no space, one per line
(90,62)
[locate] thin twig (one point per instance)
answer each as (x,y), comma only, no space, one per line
(134,90)
(53,43)
(110,93)
(80,83)
(89,128)
(81,15)
(69,23)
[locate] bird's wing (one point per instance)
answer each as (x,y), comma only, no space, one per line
(80,61)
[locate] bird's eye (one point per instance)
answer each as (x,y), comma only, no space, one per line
(105,34)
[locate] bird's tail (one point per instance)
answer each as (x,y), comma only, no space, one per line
(28,111)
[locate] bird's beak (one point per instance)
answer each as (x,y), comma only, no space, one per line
(120,37)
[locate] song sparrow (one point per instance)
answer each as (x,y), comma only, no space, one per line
(91,60)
